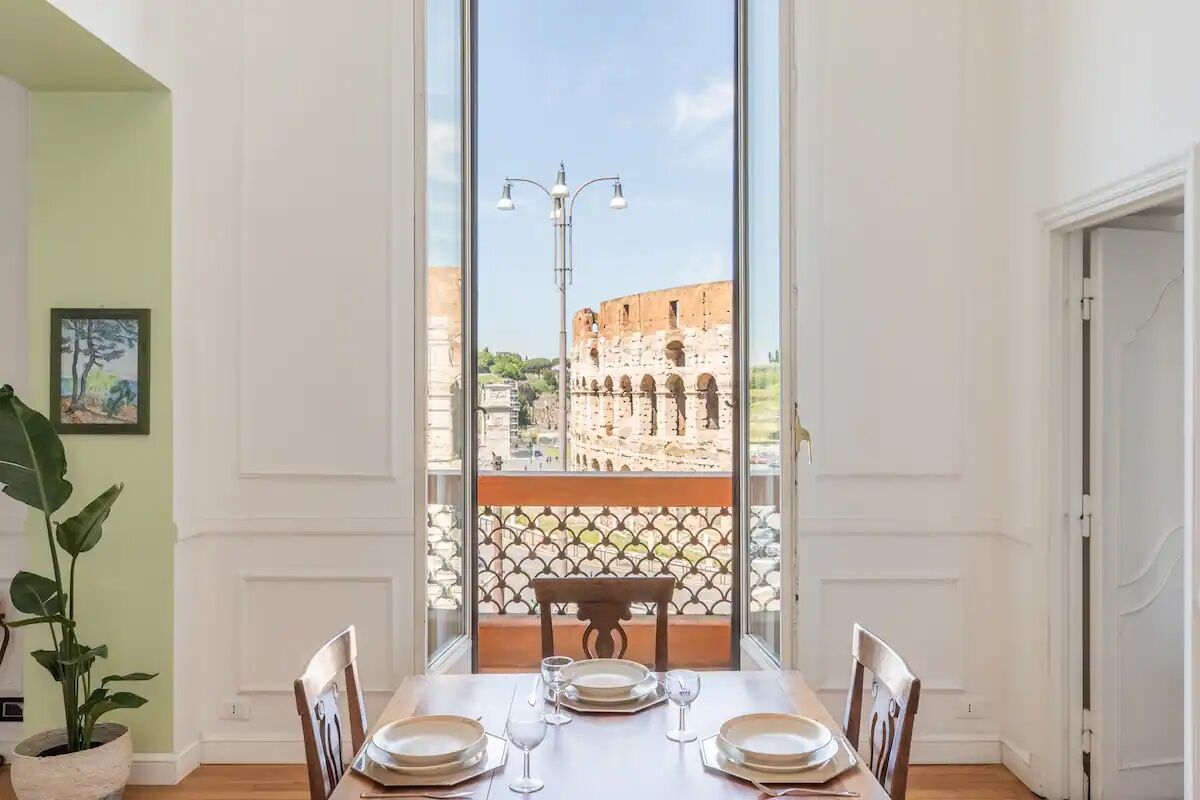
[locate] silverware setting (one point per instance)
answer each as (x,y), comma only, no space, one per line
(803,791)
(533,694)
(381,795)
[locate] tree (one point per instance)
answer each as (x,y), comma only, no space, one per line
(100,341)
(537,365)
(508,365)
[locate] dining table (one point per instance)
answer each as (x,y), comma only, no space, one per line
(621,756)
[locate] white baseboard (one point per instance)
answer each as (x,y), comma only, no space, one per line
(164,769)
(1020,763)
(956,748)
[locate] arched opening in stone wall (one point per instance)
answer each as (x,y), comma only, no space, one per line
(648,418)
(707,386)
(675,354)
(608,467)
(625,468)
(595,465)
(608,403)
(625,408)
(678,405)
(594,354)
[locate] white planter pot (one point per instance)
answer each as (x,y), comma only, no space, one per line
(96,774)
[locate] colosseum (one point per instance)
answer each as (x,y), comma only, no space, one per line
(651,377)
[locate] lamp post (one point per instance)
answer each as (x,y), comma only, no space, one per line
(562,216)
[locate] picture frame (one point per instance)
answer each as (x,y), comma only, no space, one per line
(100,370)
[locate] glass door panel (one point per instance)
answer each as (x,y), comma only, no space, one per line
(765,452)
(447,599)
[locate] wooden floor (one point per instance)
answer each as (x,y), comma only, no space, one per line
(286,782)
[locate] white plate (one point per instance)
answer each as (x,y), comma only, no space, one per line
(384,759)
(653,698)
(606,677)
(842,760)
(636,693)
(427,741)
(773,740)
(495,754)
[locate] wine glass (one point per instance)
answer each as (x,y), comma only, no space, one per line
(526,730)
(683,685)
(556,676)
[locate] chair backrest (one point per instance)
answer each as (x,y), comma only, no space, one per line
(895,692)
(603,603)
(317,693)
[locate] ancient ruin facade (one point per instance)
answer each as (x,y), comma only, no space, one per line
(443,431)
(651,381)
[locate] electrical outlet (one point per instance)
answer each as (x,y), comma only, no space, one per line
(237,708)
(971,706)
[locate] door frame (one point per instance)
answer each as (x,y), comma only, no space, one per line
(1062,461)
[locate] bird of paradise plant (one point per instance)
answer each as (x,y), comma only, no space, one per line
(33,468)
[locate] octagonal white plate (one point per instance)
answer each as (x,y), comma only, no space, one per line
(841,759)
(431,740)
(637,693)
(495,755)
(657,694)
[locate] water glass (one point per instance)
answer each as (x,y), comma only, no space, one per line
(557,677)
(526,730)
(683,686)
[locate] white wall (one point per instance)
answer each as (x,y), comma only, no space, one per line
(294,270)
(902,169)
(14,167)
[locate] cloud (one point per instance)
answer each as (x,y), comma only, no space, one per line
(696,112)
(442,157)
(703,121)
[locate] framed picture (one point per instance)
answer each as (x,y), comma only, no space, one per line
(100,370)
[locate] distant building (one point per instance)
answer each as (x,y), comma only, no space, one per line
(651,380)
(545,411)
(443,431)
(498,426)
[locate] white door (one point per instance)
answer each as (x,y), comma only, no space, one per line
(1137,490)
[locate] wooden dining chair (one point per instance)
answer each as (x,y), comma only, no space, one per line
(317,693)
(603,603)
(895,692)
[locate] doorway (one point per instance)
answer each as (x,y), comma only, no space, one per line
(1131,461)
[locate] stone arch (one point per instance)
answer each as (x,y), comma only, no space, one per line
(678,407)
(675,355)
(595,465)
(624,468)
(648,414)
(710,401)
(594,355)
(625,403)
(608,467)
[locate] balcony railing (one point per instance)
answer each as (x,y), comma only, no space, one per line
(561,524)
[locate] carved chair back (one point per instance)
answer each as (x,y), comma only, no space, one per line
(604,603)
(321,719)
(894,692)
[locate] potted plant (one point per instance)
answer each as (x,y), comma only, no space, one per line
(86,758)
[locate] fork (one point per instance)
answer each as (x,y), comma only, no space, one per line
(803,791)
(381,795)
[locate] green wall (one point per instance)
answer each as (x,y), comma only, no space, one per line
(100,235)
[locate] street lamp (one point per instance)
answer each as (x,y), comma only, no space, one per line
(562,216)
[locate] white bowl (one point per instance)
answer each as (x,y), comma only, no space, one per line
(773,740)
(606,678)
(431,741)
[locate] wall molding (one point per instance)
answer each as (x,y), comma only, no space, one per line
(298,526)
(1136,192)
(245,685)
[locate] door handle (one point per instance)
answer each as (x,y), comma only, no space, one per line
(800,434)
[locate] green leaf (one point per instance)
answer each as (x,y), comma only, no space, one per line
(81,532)
(34,594)
(85,655)
(113,702)
(132,676)
(53,619)
(49,660)
(33,464)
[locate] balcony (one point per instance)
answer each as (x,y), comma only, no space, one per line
(562,524)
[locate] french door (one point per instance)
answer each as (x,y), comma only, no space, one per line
(767,430)
(764,454)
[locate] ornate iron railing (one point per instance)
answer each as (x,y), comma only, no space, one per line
(585,524)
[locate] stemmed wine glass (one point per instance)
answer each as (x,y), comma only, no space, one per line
(683,686)
(557,677)
(526,730)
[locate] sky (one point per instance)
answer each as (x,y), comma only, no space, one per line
(640,89)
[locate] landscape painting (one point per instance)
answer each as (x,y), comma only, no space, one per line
(100,370)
